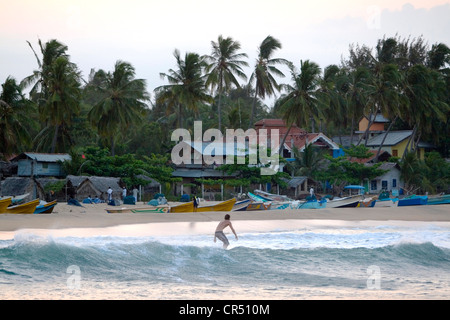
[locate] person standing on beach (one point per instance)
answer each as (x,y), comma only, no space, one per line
(109,194)
(124,192)
(219,231)
(195,199)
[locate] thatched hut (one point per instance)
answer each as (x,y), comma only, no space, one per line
(72,184)
(18,186)
(80,187)
(55,189)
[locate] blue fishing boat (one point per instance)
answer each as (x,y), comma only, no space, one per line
(413,200)
(45,207)
(439,199)
(313,204)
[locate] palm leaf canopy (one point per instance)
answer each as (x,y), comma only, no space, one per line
(123,99)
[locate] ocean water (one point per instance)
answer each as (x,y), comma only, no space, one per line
(327,261)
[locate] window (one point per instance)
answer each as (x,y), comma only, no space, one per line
(394,152)
(373,185)
(384,184)
(394,183)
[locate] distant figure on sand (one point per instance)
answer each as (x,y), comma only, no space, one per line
(219,231)
(195,199)
(109,194)
(124,192)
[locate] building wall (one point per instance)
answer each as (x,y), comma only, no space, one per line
(25,166)
(390,181)
(399,149)
(377,126)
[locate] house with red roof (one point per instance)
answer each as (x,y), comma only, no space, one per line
(297,137)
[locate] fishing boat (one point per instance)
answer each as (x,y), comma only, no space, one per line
(184,207)
(241,205)
(346,202)
(271,196)
(45,207)
(439,199)
(221,206)
(27,207)
(258,198)
(384,200)
(259,206)
(367,203)
(18,199)
(389,202)
(413,200)
(277,205)
(189,207)
(312,204)
(4,203)
(150,209)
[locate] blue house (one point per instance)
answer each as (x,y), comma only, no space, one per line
(40,164)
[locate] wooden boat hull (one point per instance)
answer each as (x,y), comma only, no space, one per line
(368,203)
(280,205)
(349,202)
(4,203)
(150,209)
(184,207)
(28,207)
(241,205)
(222,206)
(45,208)
(386,203)
(413,201)
(313,204)
(443,199)
(259,206)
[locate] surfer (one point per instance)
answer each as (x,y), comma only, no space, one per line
(219,231)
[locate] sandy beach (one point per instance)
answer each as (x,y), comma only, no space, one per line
(280,254)
(96,216)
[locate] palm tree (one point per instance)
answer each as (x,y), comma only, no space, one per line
(389,97)
(302,102)
(353,90)
(15,118)
(56,90)
(186,86)
(265,69)
(384,94)
(426,94)
(122,101)
(62,102)
(50,51)
(438,56)
(330,88)
(224,65)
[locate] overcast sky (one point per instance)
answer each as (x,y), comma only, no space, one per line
(145,33)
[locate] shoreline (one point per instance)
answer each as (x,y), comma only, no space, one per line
(95,216)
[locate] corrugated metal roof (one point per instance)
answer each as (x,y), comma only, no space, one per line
(393,138)
(380,118)
(45,157)
(200,173)
(294,182)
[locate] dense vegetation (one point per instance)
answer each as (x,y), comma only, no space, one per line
(112,113)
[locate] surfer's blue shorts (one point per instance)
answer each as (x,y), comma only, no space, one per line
(222,237)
